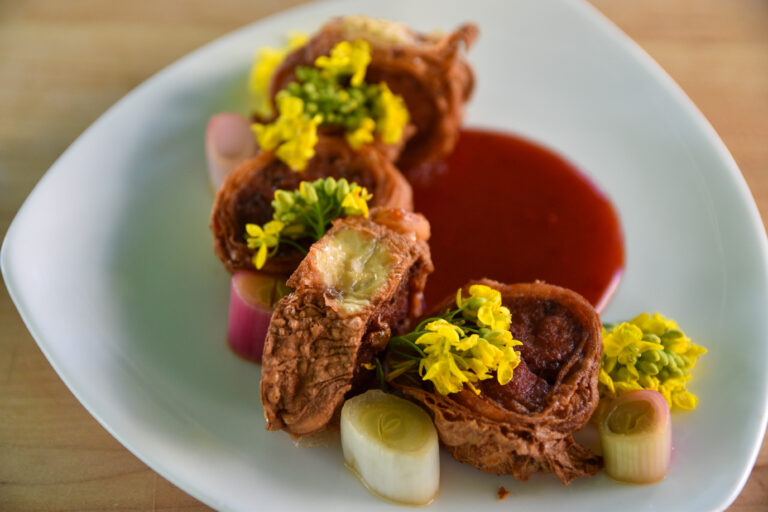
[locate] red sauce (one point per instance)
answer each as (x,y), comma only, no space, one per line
(504,208)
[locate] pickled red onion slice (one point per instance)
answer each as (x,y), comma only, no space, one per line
(250,308)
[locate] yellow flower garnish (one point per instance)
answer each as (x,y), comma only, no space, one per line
(363,134)
(625,387)
(393,116)
(299,150)
(265,63)
(454,355)
(263,239)
(440,366)
(332,93)
(484,307)
(655,324)
(444,329)
(505,359)
(356,202)
(649,352)
(292,136)
(347,59)
(308,192)
(604,379)
(509,361)
(305,213)
(674,392)
(624,345)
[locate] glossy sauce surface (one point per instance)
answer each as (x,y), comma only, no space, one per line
(504,208)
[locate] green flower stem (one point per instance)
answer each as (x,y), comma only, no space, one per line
(411,378)
(380,374)
(420,328)
(327,212)
(449,316)
(293,244)
(406,356)
(313,222)
(305,213)
(409,343)
(321,221)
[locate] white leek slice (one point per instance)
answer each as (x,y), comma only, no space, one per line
(391,444)
(636,436)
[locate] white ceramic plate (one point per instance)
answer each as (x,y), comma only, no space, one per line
(110,263)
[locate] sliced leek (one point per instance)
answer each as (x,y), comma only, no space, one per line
(392,445)
(636,436)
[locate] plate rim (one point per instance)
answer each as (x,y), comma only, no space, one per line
(587,11)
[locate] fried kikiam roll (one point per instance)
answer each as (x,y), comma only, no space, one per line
(427,70)
(359,285)
(525,425)
(247,193)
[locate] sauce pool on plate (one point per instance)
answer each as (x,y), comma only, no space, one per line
(505,208)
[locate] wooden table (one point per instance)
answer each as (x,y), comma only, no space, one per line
(64,63)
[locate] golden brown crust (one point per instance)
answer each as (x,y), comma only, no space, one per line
(247,192)
(429,72)
(503,434)
(404,222)
(315,348)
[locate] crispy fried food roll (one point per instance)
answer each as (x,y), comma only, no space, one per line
(427,70)
(247,193)
(527,425)
(359,284)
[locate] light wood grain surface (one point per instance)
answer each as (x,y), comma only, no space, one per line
(64,63)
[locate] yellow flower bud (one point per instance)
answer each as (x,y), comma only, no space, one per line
(362,135)
(347,59)
(263,239)
(393,116)
(649,352)
(265,63)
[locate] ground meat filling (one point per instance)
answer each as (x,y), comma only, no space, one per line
(526,425)
(525,388)
(254,202)
(246,195)
(430,73)
(393,318)
(322,333)
(549,333)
